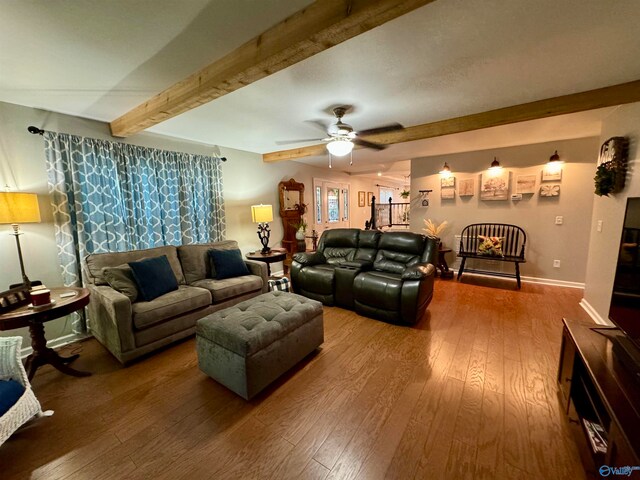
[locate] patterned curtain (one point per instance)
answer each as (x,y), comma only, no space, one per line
(111,196)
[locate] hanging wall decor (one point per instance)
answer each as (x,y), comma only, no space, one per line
(494,185)
(525,184)
(466,187)
(550,190)
(612,166)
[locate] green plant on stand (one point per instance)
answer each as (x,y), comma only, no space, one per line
(405,194)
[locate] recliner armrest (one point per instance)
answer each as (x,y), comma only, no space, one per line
(418,271)
(309,259)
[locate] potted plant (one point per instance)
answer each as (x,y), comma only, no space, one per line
(301,228)
(433,229)
(405,194)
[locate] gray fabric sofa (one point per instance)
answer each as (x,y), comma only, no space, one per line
(131,329)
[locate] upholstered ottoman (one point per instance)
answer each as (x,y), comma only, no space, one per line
(249,345)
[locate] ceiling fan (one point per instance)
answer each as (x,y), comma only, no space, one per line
(342,137)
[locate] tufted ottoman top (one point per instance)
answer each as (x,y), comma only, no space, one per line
(254,324)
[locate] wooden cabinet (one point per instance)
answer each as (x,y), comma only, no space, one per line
(594,387)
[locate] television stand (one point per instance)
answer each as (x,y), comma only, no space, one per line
(599,394)
(628,354)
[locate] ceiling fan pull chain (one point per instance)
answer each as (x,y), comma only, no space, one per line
(351,158)
(329,159)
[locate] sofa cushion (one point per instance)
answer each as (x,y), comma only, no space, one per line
(10,393)
(230,287)
(227,264)
(195,260)
(169,305)
(154,277)
(95,262)
(393,261)
(378,289)
(121,279)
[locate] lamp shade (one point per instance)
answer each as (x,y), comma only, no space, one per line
(18,207)
(261,213)
(340,147)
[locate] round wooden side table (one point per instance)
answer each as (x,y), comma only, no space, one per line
(35,317)
(445,272)
(272,257)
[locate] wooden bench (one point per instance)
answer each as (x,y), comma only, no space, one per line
(513,243)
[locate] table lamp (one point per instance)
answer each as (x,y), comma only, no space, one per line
(17,208)
(262,215)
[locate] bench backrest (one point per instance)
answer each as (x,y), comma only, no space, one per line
(512,246)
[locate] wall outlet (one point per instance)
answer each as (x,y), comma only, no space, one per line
(556,264)
(559,220)
(599,226)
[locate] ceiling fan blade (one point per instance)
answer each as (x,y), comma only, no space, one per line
(387,128)
(287,142)
(324,126)
(364,143)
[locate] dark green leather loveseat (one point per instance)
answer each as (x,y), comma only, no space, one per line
(381,275)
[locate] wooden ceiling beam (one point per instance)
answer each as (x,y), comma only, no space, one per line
(316,28)
(550,107)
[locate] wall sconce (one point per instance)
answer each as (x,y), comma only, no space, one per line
(554,165)
(446,171)
(495,168)
(262,215)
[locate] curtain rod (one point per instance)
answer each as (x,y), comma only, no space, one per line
(387,186)
(38,131)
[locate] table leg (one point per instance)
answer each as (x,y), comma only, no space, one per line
(443,267)
(268,269)
(43,355)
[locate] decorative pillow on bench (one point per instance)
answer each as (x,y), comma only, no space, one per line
(490,246)
(154,277)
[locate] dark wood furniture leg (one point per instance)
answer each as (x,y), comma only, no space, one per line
(518,275)
(464,259)
(43,355)
(445,272)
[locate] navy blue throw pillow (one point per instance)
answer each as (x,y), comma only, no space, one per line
(228,263)
(154,277)
(10,393)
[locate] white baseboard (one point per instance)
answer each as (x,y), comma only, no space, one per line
(540,281)
(553,282)
(586,306)
(57,342)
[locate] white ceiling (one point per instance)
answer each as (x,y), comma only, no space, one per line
(98,59)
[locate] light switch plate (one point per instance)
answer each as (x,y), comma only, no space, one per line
(559,220)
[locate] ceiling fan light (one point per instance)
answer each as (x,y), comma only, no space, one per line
(339,147)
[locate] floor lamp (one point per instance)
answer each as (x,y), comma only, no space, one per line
(17,208)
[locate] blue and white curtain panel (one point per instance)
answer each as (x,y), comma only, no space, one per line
(111,196)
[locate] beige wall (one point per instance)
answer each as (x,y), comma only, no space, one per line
(546,241)
(604,245)
(247,181)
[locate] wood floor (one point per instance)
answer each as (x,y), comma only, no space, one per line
(468,393)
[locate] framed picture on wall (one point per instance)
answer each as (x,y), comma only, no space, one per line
(494,186)
(369,198)
(446,182)
(361,199)
(466,187)
(526,184)
(447,193)
(551,175)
